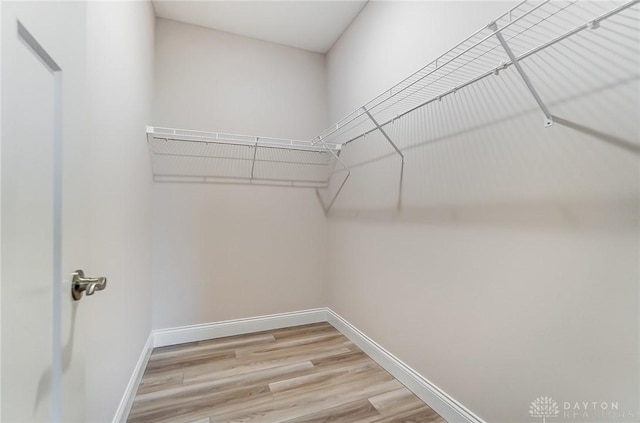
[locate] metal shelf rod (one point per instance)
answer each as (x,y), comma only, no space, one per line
(188,179)
(255,151)
(202,156)
(309,149)
(548,117)
(382,131)
(188,134)
(333,200)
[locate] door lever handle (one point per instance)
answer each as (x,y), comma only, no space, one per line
(80,284)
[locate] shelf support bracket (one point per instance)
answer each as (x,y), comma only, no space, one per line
(327,208)
(548,117)
(255,151)
(395,147)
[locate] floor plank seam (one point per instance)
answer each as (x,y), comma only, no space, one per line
(301,374)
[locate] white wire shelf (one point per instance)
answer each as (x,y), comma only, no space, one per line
(180,155)
(527,28)
(522,32)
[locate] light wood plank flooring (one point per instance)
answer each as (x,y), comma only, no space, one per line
(309,373)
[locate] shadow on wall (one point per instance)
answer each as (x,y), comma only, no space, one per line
(615,141)
(44,384)
(483,155)
(513,262)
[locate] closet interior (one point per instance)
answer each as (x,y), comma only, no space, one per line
(505,45)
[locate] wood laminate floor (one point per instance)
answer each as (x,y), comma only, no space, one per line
(309,373)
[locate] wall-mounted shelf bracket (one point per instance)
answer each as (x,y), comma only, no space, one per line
(395,147)
(548,117)
(327,208)
(253,163)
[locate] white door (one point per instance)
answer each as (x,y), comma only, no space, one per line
(41,361)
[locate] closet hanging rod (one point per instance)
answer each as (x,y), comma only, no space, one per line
(256,160)
(592,24)
(205,179)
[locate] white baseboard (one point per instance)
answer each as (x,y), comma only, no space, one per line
(130,391)
(180,335)
(436,398)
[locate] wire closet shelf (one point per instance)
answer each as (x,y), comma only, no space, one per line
(180,155)
(521,32)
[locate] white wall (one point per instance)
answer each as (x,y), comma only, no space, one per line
(222,252)
(120,40)
(217,81)
(512,271)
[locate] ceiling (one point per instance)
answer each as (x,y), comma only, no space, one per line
(309,25)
